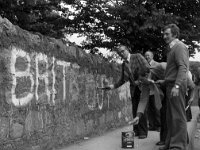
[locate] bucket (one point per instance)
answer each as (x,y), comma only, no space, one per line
(128,139)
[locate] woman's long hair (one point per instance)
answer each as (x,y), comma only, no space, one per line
(140,66)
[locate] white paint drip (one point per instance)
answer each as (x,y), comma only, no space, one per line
(54,81)
(64,65)
(100,102)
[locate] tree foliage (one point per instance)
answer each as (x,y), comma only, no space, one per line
(47,17)
(194,65)
(107,23)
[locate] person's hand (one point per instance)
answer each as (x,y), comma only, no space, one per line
(111,86)
(137,82)
(108,87)
(151,81)
(174,91)
(144,80)
(190,101)
(135,121)
(160,81)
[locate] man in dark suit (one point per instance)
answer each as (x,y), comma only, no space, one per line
(152,111)
(133,65)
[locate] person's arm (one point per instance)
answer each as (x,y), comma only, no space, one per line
(121,81)
(191,90)
(123,77)
(182,62)
(144,98)
(190,83)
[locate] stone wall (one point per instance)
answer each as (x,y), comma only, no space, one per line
(48,94)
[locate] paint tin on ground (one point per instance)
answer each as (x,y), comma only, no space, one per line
(128,139)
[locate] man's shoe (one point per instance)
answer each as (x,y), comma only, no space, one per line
(158,129)
(163,148)
(160,143)
(142,136)
(152,129)
(136,133)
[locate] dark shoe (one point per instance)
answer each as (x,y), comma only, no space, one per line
(154,129)
(160,143)
(142,136)
(136,134)
(163,148)
(158,129)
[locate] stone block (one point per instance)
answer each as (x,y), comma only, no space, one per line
(34,121)
(102,119)
(80,127)
(17,130)
(4,127)
(72,51)
(89,125)
(109,116)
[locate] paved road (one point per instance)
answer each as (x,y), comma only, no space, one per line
(112,140)
(197,136)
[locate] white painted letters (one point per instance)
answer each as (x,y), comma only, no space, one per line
(41,58)
(26,99)
(65,65)
(40,69)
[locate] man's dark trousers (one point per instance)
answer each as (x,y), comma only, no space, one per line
(153,114)
(188,111)
(163,123)
(176,118)
(141,128)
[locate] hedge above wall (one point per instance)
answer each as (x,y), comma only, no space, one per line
(13,35)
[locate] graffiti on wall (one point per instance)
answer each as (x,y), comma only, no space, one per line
(35,76)
(124,94)
(97,98)
(19,74)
